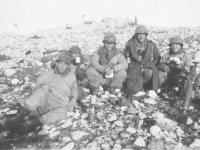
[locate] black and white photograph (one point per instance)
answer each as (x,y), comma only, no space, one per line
(100,74)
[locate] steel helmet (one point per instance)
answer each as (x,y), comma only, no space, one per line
(176,40)
(74,49)
(64,58)
(109,38)
(141,29)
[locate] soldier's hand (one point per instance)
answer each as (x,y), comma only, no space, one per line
(166,68)
(108,71)
(179,67)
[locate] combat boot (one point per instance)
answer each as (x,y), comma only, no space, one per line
(12,124)
(29,126)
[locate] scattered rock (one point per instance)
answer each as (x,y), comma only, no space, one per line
(196,143)
(152,94)
(150,101)
(78,135)
(155,130)
(131,130)
(140,142)
(14,81)
(69,146)
(9,72)
(119,123)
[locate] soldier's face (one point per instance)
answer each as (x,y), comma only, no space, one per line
(74,55)
(109,46)
(62,66)
(175,47)
(141,37)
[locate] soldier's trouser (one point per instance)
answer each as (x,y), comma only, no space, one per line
(162,77)
(42,105)
(95,78)
(147,74)
(81,93)
(170,78)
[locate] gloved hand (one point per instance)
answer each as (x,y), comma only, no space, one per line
(108,71)
(165,68)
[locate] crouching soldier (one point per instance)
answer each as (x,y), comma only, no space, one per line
(173,64)
(108,66)
(77,61)
(143,55)
(54,94)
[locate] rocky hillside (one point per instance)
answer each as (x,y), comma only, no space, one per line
(145,124)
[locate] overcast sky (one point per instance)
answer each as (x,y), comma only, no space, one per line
(26,16)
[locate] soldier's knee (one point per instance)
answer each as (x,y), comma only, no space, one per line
(122,74)
(90,71)
(162,77)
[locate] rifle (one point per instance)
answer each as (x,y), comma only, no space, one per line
(52,51)
(188,88)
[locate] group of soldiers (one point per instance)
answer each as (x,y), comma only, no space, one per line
(139,65)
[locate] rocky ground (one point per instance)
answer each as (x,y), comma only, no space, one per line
(145,124)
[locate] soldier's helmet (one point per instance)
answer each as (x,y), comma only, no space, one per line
(141,29)
(176,40)
(109,38)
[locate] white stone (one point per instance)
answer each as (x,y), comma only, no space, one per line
(17,89)
(150,101)
(141,105)
(54,134)
(136,103)
(155,130)
(166,124)
(77,135)
(119,123)
(117,147)
(140,122)
(142,115)
(124,108)
(9,65)
(152,94)
(5,110)
(140,93)
(9,72)
(179,131)
(69,146)
(104,96)
(189,121)
(38,63)
(67,123)
(158,115)
(113,96)
(196,143)
(66,139)
(131,130)
(196,126)
(105,146)
(140,142)
(11,112)
(43,132)
(112,117)
(84,115)
(14,81)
